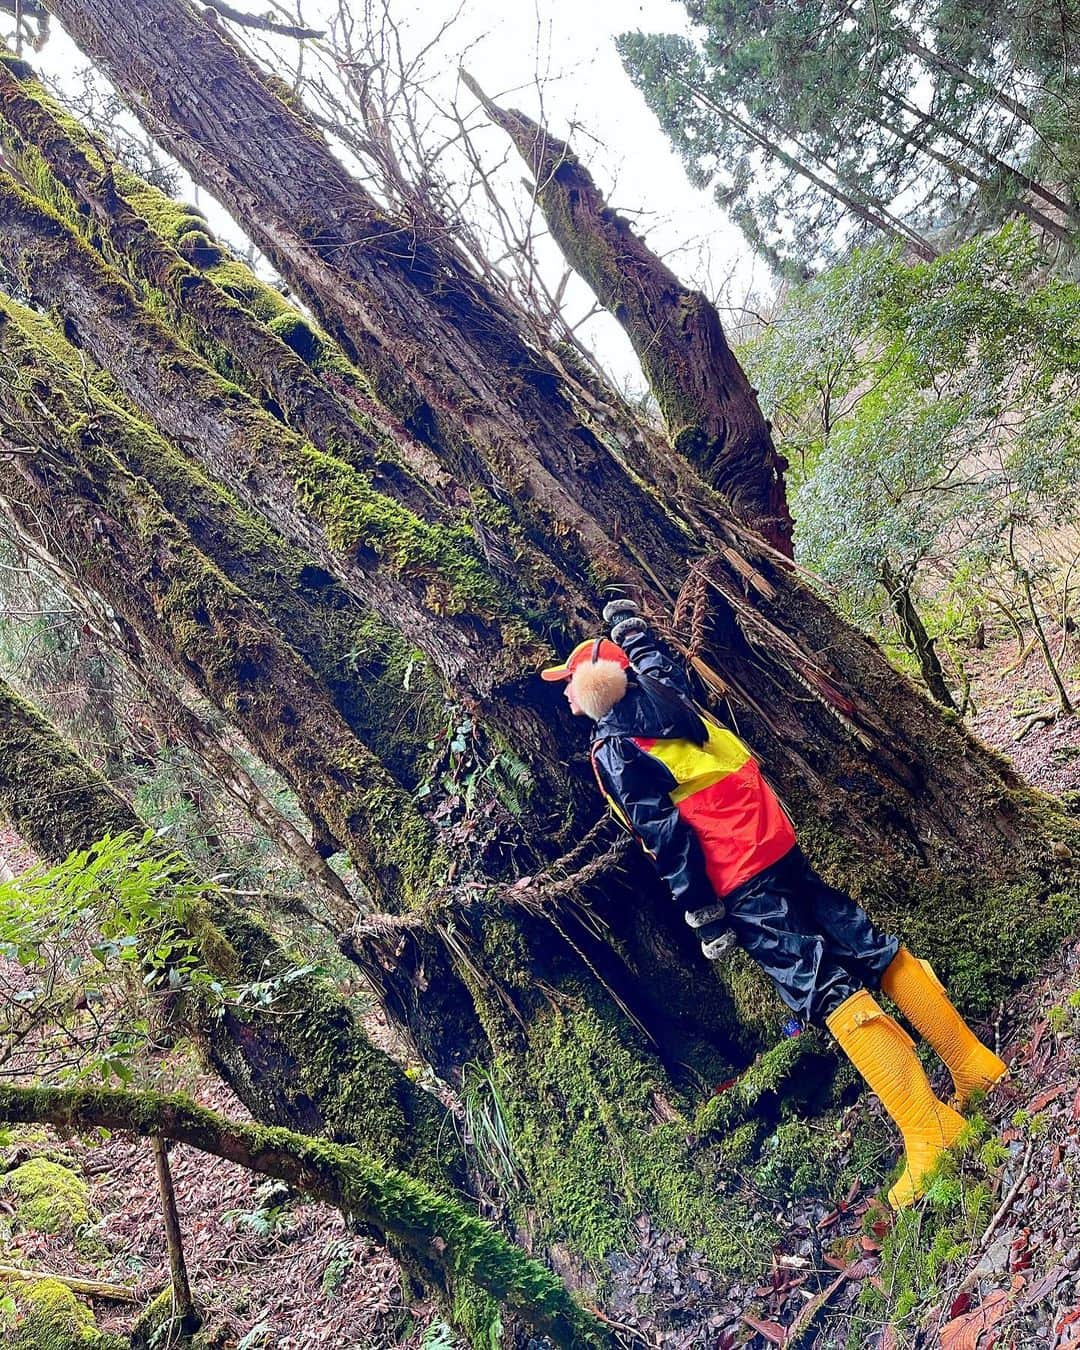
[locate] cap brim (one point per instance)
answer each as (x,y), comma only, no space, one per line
(555,673)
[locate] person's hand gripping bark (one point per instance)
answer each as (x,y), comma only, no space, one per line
(623,618)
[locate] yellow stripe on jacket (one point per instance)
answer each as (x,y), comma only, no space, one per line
(722,796)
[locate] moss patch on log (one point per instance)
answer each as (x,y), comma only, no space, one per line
(48,1316)
(593,1139)
(48,1198)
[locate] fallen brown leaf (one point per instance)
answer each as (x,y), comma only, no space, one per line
(773,1332)
(1043,1099)
(963,1332)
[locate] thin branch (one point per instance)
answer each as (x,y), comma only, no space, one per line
(260,22)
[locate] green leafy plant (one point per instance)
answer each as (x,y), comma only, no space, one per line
(438,1336)
(255,1338)
(340,1259)
(268,1217)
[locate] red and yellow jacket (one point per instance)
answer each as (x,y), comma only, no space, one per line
(703,813)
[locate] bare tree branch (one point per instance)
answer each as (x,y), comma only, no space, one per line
(260,22)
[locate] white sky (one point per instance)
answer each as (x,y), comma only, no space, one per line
(567,48)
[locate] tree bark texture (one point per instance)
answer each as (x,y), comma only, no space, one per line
(237,322)
(435,344)
(321,503)
(125,543)
(711,412)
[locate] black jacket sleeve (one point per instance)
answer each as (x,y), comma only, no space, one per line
(639,786)
(652,657)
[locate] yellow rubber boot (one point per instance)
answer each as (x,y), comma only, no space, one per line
(885,1056)
(921,997)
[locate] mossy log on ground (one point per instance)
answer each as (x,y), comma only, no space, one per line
(48,1316)
(436,1232)
(306,1061)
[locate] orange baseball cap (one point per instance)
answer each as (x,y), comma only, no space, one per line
(591,650)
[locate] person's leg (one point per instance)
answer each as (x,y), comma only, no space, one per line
(885,1056)
(776,927)
(769,920)
(921,997)
(853,940)
(878,961)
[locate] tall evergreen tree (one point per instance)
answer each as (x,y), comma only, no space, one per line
(821,123)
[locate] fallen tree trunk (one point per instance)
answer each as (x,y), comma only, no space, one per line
(452,1246)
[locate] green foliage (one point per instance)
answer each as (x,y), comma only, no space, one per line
(931,414)
(486,1125)
(116,906)
(110,928)
(820,124)
(256,1338)
(267,1218)
(438,1336)
(926,1238)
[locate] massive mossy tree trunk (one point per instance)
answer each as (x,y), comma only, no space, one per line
(841,733)
(583,998)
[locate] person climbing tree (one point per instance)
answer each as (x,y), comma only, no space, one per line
(693,796)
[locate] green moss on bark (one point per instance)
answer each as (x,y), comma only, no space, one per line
(145,562)
(594,1135)
(984,934)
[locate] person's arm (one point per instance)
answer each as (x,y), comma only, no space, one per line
(639,786)
(648,655)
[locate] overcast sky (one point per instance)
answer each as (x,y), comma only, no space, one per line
(567,47)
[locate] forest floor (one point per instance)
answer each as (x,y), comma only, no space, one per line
(970,1271)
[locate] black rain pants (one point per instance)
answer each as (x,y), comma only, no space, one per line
(813,941)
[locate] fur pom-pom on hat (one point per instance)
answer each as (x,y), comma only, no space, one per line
(597,686)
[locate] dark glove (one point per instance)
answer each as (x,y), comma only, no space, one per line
(624,616)
(710,925)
